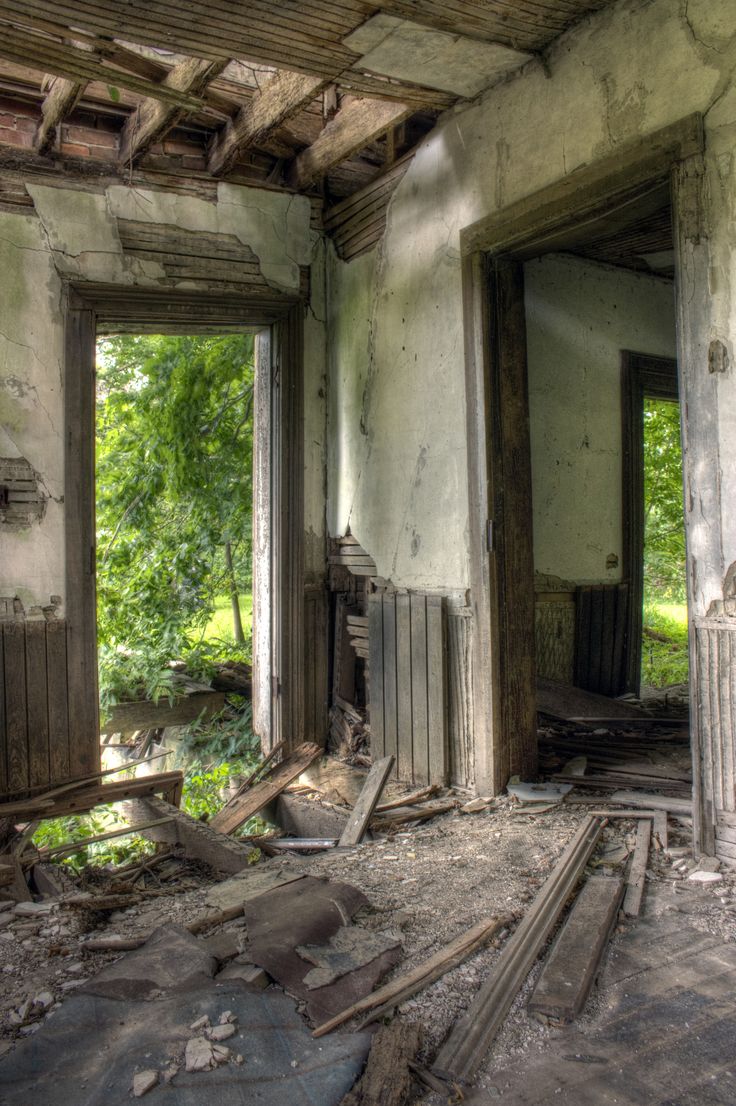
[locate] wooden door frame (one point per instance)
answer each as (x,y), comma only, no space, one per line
(587,201)
(642,376)
(97,309)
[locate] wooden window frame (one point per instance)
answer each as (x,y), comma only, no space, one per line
(91,310)
(642,376)
(493,250)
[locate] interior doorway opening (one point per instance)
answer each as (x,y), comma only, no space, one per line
(174,506)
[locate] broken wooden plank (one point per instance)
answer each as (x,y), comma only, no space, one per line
(199,840)
(409,800)
(638,870)
(659,826)
(360,816)
(401,815)
(354,126)
(242,807)
(652,802)
(154,118)
(298,844)
(283,96)
(145,715)
(83,799)
(386,1078)
(572,965)
(416,979)
(471,1036)
(566,702)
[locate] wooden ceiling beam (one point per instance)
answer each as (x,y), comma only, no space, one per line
(280,99)
(354,126)
(153,119)
(82,65)
(62,96)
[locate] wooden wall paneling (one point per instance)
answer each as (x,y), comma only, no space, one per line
(37,706)
(3,721)
(375,702)
(619,675)
(390,695)
(420,689)
(436,689)
(58,706)
(596,638)
(16,734)
(459,696)
(404,689)
(607,636)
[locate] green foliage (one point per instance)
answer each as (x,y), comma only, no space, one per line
(174,487)
(664,662)
(205,792)
(228,738)
(62,831)
(664,527)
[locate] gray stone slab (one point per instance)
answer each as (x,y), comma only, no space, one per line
(87,1053)
(170,958)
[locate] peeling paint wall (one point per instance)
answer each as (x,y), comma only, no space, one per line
(397,432)
(74,235)
(579,318)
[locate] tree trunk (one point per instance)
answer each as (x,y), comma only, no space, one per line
(237,620)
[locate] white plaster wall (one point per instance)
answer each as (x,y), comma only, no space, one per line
(74,235)
(620,74)
(579,317)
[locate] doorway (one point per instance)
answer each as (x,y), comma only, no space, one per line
(278,585)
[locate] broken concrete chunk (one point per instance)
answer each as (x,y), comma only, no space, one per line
(225,945)
(241,968)
(31,909)
(474,806)
(201,1023)
(538,792)
(227,1016)
(44,999)
(199,1055)
(698,876)
(143,1082)
(221,1032)
(709,864)
(349,949)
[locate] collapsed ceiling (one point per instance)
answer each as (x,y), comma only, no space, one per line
(318,96)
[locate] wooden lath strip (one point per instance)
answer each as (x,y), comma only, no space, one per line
(356,124)
(284,95)
(153,119)
(81,66)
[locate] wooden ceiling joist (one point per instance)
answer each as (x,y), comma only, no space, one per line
(154,118)
(280,99)
(356,124)
(62,96)
(80,66)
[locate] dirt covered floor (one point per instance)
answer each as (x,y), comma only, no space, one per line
(425,884)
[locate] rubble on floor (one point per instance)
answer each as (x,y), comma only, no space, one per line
(445,899)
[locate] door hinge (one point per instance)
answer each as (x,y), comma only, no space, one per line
(489,535)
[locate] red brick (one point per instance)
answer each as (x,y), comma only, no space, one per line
(90,135)
(7,120)
(175,146)
(103,153)
(16,138)
(72,149)
(26,123)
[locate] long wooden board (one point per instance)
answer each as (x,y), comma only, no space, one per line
(638,870)
(246,806)
(472,1035)
(564,985)
(361,814)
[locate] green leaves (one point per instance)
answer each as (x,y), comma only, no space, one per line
(664,535)
(174,449)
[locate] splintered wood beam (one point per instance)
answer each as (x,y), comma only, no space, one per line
(154,118)
(356,124)
(279,100)
(62,96)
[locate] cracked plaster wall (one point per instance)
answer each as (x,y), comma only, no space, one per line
(397,467)
(75,236)
(579,317)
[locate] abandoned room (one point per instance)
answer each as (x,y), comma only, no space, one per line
(367,552)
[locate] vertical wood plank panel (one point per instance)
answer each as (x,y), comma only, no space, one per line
(608,631)
(375,660)
(420,701)
(16,718)
(58,703)
(715,719)
(596,634)
(619,640)
(3,724)
(390,713)
(582,634)
(405,757)
(728,735)
(436,689)
(37,704)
